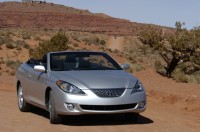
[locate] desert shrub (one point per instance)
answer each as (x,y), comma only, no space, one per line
(102,42)
(131,59)
(196,76)
(1,40)
(25,36)
(37,38)
(76,38)
(159,67)
(26,46)
(56,43)
(13,64)
(18,48)
(180,76)
(19,42)
(144,49)
(135,68)
(93,40)
(8,33)
(6,40)
(10,46)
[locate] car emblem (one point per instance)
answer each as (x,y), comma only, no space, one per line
(109,93)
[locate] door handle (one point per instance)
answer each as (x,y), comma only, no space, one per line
(29,76)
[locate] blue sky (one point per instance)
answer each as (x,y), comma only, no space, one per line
(161,12)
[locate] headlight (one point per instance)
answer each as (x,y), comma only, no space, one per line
(69,88)
(138,87)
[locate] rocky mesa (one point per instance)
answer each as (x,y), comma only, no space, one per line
(53,16)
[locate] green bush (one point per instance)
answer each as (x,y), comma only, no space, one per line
(56,43)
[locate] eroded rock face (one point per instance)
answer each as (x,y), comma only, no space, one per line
(32,15)
(53,16)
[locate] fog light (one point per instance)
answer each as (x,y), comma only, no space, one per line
(70,107)
(141,104)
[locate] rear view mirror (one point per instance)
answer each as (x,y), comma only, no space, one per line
(39,68)
(125,66)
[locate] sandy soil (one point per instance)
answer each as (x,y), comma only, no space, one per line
(116,43)
(172,107)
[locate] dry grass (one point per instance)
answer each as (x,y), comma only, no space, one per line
(179,76)
(135,68)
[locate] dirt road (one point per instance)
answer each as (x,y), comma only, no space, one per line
(172,107)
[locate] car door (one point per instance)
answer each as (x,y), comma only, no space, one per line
(37,81)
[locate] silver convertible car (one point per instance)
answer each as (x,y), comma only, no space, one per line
(75,83)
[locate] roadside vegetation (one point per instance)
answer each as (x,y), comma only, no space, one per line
(56,43)
(179,51)
(175,55)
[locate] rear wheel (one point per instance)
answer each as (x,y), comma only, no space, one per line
(132,116)
(22,104)
(53,116)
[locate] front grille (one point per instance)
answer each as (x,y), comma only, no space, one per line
(108,107)
(106,93)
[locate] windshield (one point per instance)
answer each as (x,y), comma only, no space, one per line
(66,61)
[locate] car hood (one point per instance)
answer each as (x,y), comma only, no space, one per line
(97,79)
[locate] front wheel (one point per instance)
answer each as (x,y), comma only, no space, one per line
(53,116)
(22,104)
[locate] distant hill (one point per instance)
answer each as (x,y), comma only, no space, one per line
(53,16)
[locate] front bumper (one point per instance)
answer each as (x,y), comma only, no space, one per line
(90,103)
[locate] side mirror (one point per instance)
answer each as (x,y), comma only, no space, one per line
(125,66)
(39,68)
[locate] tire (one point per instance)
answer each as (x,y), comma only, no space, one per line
(22,104)
(53,116)
(132,116)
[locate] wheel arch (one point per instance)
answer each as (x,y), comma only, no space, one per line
(48,89)
(17,85)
